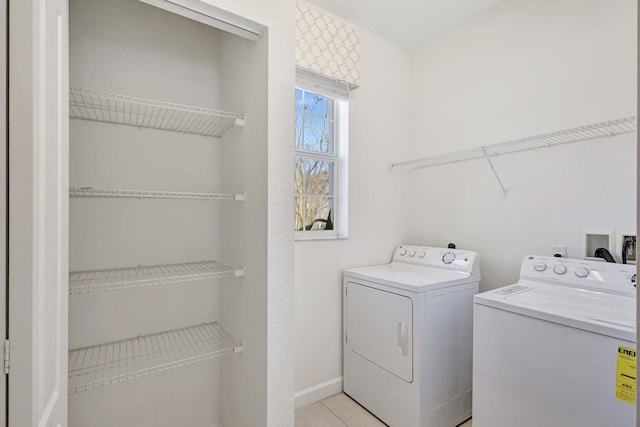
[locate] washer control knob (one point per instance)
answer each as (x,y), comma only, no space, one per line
(403,252)
(582,272)
(412,253)
(421,254)
(559,268)
(448,258)
(540,266)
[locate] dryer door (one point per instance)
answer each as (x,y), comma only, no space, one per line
(379,327)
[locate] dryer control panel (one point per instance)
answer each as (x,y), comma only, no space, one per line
(427,256)
(588,274)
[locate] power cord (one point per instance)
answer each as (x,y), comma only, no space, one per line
(604,253)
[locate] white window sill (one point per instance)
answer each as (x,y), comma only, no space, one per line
(306,236)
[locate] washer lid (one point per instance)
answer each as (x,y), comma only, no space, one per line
(413,278)
(601,312)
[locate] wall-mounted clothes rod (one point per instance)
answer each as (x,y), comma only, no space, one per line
(582,133)
(203,11)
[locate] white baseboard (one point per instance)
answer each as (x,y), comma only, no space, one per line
(318,392)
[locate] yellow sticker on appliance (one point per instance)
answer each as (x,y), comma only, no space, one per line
(626,375)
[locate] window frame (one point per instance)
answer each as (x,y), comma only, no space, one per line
(340,168)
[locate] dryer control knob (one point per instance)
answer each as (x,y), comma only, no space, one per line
(403,252)
(421,254)
(448,258)
(540,266)
(412,253)
(582,272)
(560,269)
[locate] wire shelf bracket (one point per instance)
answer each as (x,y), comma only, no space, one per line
(582,133)
(93,281)
(493,169)
(147,113)
(150,194)
(94,367)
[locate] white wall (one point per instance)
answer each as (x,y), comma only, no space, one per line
(244,230)
(379,111)
(273,302)
(526,67)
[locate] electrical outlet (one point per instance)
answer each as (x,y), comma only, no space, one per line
(559,251)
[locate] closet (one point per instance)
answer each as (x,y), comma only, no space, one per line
(167,171)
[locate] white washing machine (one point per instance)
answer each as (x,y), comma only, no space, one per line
(558,347)
(407,336)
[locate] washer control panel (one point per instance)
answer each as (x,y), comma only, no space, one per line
(453,259)
(589,274)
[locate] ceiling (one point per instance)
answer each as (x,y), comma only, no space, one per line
(408,23)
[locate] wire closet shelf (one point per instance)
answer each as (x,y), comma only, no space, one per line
(150,194)
(147,113)
(582,133)
(115,362)
(93,281)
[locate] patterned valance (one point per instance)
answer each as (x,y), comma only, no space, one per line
(326,46)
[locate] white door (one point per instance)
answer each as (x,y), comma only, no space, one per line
(38,212)
(379,327)
(3,197)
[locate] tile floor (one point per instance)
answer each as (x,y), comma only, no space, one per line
(339,411)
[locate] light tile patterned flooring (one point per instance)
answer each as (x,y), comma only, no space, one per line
(339,411)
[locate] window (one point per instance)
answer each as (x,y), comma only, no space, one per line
(320,164)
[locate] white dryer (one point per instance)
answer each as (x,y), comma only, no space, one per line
(558,347)
(407,336)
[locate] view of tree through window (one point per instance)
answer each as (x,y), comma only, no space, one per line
(315,161)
